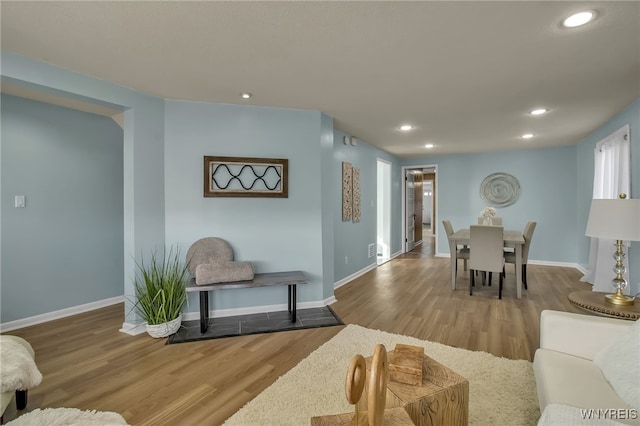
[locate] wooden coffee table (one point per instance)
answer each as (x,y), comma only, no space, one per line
(593,301)
(392,417)
(441,399)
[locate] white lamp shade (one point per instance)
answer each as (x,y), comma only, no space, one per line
(615,219)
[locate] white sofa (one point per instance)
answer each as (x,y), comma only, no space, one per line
(563,365)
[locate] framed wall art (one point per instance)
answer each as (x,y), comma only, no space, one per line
(245,177)
(350,192)
(355,176)
(347,198)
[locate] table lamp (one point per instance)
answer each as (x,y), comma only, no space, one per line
(616,219)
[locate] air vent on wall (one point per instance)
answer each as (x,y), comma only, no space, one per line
(372,250)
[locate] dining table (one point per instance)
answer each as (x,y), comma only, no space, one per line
(511,238)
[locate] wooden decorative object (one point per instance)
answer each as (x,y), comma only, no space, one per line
(246,177)
(355,379)
(347,198)
(378,379)
(392,417)
(350,193)
(356,194)
(354,385)
(441,399)
(405,365)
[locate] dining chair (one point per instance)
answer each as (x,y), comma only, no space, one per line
(494,220)
(510,257)
(486,253)
(456,253)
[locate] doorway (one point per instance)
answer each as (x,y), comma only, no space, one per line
(414,200)
(383,211)
(419,205)
(428,205)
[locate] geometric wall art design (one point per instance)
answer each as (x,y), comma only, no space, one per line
(245,177)
(350,192)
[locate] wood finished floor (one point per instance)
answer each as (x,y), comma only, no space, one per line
(88,364)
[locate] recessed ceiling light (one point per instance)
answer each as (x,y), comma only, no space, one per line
(246,95)
(527,136)
(406,127)
(539,111)
(429,145)
(579,19)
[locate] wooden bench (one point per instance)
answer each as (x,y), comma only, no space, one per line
(289,278)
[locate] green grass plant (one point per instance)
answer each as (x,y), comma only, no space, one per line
(160,287)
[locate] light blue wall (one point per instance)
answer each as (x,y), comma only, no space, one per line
(143,150)
(65,248)
(631,116)
(275,234)
(547,179)
(352,239)
(162,205)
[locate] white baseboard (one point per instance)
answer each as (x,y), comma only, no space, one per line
(537,262)
(330,300)
(220,313)
(582,269)
(355,275)
(363,271)
(552,263)
(62,313)
(135,329)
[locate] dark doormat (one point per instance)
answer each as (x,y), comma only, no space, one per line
(267,322)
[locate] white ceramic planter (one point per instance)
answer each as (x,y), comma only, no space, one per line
(165,329)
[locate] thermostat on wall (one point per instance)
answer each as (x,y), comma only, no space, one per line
(20,201)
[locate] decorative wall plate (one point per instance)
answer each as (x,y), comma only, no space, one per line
(500,189)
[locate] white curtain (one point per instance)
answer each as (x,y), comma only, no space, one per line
(612,177)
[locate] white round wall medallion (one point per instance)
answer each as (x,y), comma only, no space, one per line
(500,189)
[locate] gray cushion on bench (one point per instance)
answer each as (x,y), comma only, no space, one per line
(207,250)
(223,271)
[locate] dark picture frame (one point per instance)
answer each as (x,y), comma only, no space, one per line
(246,177)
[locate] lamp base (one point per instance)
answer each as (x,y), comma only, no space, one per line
(619,299)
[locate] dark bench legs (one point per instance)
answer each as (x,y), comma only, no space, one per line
(204,307)
(292,302)
(204,311)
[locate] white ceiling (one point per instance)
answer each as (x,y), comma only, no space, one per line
(464,73)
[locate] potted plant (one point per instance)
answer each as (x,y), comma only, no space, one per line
(160,288)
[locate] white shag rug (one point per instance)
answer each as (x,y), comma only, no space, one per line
(68,417)
(501,391)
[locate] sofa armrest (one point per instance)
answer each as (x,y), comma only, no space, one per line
(577,334)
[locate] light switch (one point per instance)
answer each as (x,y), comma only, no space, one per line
(20,201)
